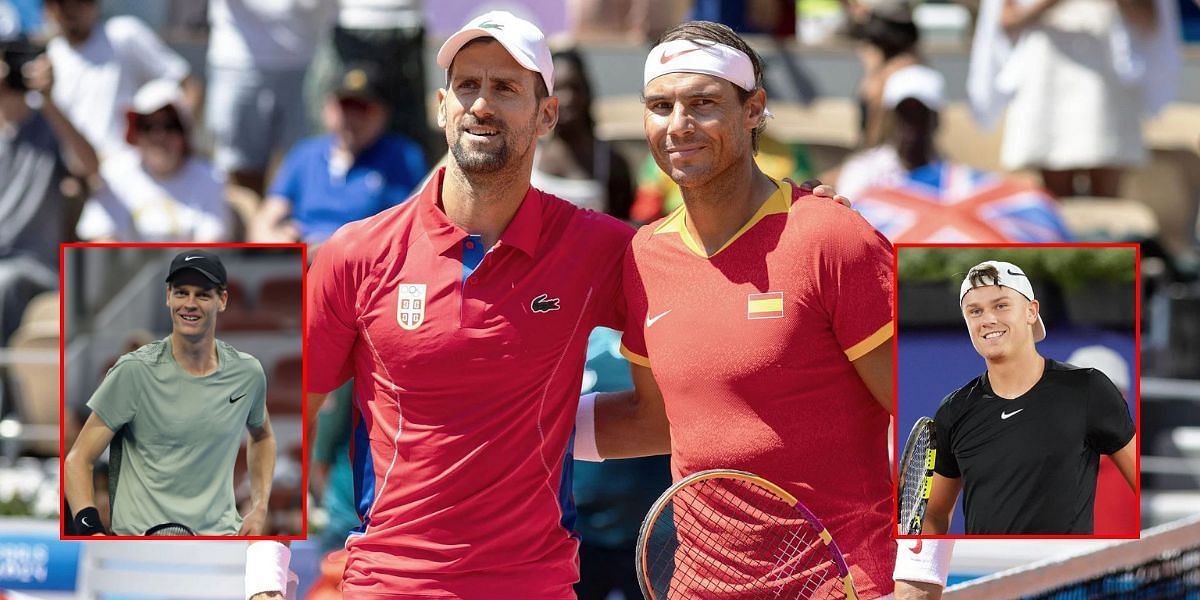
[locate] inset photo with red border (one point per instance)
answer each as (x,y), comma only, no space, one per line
(1026,359)
(182,391)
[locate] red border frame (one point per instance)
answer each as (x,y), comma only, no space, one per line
(1137,387)
(304,441)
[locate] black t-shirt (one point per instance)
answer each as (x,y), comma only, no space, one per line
(1029,464)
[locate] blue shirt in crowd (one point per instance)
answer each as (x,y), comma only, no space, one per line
(324,196)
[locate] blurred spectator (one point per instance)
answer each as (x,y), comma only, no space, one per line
(258,53)
(633,20)
(889,41)
(353,172)
(333,477)
(389,34)
(770,17)
(11,23)
(570,162)
(910,194)
(158,190)
(100,66)
(1189,18)
(909,101)
(1077,76)
(39,148)
(657,194)
(611,497)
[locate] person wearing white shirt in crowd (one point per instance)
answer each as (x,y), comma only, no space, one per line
(158,191)
(258,54)
(1072,81)
(98,68)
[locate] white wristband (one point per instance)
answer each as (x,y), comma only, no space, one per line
(585,430)
(926,561)
(267,569)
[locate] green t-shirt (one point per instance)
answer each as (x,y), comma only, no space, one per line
(181,436)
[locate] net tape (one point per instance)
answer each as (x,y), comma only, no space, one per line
(1164,564)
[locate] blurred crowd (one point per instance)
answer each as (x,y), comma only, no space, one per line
(304,115)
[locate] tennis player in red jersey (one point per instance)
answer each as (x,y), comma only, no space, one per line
(759,320)
(463,316)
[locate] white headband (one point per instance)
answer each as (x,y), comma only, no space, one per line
(687,56)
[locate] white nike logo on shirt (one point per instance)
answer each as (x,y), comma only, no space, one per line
(651,321)
(1005,415)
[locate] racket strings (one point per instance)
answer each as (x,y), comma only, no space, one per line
(170,529)
(914,478)
(729,539)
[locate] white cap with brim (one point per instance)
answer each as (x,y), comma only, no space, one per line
(153,97)
(523,40)
(1010,276)
(918,82)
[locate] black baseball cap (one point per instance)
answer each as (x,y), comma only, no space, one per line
(208,264)
(361,81)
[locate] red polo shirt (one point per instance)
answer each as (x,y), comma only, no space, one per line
(466,391)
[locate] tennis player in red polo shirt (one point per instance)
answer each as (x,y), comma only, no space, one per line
(463,316)
(764,315)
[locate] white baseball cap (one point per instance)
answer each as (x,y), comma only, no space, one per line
(523,40)
(153,97)
(918,82)
(1010,276)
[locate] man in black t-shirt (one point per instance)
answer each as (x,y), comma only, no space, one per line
(1023,441)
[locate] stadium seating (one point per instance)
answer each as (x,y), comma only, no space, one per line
(284,298)
(285,386)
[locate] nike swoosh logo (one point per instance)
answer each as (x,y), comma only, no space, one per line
(650,322)
(1005,415)
(666,58)
(187,258)
(232,399)
(916,548)
(85,523)
(1011,272)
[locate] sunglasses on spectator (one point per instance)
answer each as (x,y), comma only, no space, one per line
(171,126)
(355,104)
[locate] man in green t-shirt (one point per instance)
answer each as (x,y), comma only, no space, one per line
(180,405)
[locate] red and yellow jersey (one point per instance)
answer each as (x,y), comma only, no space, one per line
(752,348)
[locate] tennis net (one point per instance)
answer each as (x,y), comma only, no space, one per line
(1163,564)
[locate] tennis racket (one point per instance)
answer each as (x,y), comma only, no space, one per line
(731,535)
(916,477)
(164,529)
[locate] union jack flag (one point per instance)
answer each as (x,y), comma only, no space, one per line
(943,202)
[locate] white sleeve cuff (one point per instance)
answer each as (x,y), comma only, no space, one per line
(585,430)
(267,569)
(926,561)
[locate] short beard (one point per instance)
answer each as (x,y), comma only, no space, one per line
(480,162)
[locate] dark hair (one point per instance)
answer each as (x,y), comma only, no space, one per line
(984,274)
(540,92)
(572,57)
(893,36)
(717,33)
